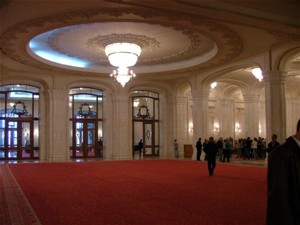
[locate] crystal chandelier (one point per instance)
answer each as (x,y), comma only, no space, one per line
(122,55)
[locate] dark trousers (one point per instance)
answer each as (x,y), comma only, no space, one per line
(211,163)
(198,154)
(226,155)
(247,153)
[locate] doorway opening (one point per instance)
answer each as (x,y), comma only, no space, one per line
(19,122)
(86,123)
(145,122)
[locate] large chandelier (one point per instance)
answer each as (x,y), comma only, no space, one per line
(122,55)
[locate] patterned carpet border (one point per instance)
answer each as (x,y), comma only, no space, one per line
(14,206)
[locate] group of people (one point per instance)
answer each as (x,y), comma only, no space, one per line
(283,199)
(242,148)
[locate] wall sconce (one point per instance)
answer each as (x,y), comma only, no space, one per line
(257,73)
(36,132)
(213,85)
(216,128)
(100,133)
(238,128)
(136,103)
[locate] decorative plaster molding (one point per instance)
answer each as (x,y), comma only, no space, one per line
(282,37)
(229,43)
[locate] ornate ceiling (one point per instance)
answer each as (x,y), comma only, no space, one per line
(178,38)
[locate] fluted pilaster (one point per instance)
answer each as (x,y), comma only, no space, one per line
(251,102)
(225,116)
(293,112)
(58,148)
(181,122)
(275,104)
(200,111)
(122,118)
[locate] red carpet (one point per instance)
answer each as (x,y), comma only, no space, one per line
(154,192)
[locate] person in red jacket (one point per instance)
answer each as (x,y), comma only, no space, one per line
(283,200)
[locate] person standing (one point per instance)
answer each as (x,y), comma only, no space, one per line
(273,144)
(199,149)
(248,145)
(283,200)
(211,150)
(227,150)
(140,146)
(254,148)
(220,145)
(100,147)
(176,148)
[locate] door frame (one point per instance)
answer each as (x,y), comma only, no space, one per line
(144,136)
(85,147)
(20,148)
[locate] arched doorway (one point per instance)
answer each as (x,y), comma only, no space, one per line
(86,123)
(145,108)
(19,122)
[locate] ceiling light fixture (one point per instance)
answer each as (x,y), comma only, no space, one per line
(122,55)
(257,73)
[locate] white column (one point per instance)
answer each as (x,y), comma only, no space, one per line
(293,112)
(181,120)
(58,129)
(251,115)
(200,108)
(43,137)
(275,104)
(226,118)
(122,137)
(167,125)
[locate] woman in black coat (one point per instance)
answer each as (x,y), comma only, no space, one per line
(283,207)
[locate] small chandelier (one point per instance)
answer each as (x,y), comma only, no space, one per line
(122,55)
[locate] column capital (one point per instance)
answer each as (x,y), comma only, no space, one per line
(275,76)
(248,98)
(200,94)
(181,100)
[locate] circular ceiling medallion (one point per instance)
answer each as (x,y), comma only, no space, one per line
(82,46)
(74,40)
(100,42)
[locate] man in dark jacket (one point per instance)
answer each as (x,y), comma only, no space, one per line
(211,150)
(140,146)
(273,144)
(199,149)
(283,207)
